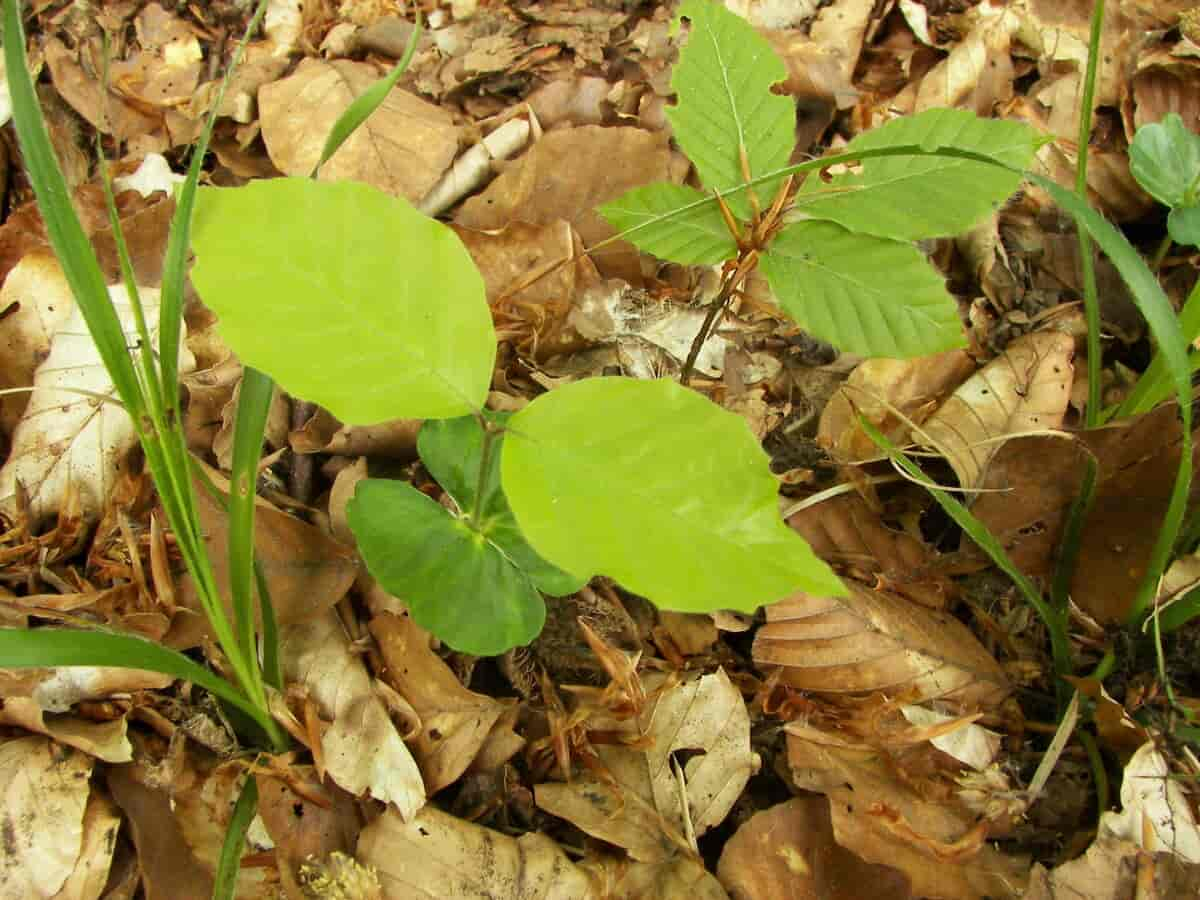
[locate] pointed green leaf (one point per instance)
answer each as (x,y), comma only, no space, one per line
(915,197)
(658,487)
(863,294)
(452,450)
(723,82)
(695,237)
(458,585)
(345,296)
(1165,159)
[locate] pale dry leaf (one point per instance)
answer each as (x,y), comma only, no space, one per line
(886,392)
(438,857)
(978,73)
(970,744)
(363,752)
(44,792)
(152,175)
(1026,388)
(454,722)
(101,825)
(655,807)
(788,852)
(1113,869)
(873,640)
(1155,811)
(106,741)
(402,149)
(680,877)
(67,440)
(35,301)
(58,689)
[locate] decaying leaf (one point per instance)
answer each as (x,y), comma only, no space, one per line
(402,149)
(873,640)
(643,808)
(439,857)
(1155,811)
(362,751)
(67,439)
(1027,388)
(788,851)
(106,741)
(1113,869)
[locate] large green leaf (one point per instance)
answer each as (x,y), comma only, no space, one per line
(452,450)
(723,82)
(345,296)
(458,585)
(1164,157)
(916,197)
(696,237)
(656,486)
(863,294)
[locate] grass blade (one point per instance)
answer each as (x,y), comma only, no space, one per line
(229,865)
(254,402)
(368,101)
(22,649)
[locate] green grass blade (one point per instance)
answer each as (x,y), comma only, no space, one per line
(22,649)
(272,664)
(229,865)
(1180,612)
(1154,385)
(66,234)
(254,402)
(180,239)
(1091,302)
(1056,625)
(368,101)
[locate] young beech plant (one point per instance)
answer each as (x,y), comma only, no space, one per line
(644,481)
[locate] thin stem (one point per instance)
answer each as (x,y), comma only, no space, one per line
(1164,247)
(490,433)
(1090,298)
(1099,774)
(733,278)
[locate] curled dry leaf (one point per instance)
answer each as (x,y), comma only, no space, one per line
(886,392)
(439,857)
(873,640)
(67,438)
(454,722)
(788,852)
(1155,811)
(395,439)
(44,791)
(1027,388)
(643,809)
(106,741)
(403,148)
(362,750)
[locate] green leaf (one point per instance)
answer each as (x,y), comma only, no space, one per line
(656,486)
(458,585)
(345,296)
(1183,224)
(863,294)
(916,197)
(21,648)
(452,450)
(723,81)
(229,863)
(1165,159)
(695,237)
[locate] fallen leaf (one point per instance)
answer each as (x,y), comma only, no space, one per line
(90,877)
(788,852)
(876,641)
(403,148)
(106,741)
(1113,869)
(44,788)
(1156,814)
(363,752)
(645,811)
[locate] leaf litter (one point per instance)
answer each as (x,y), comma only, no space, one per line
(879,743)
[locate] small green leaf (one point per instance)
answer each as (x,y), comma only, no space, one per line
(915,197)
(863,294)
(1183,224)
(723,81)
(452,450)
(697,237)
(1165,159)
(658,487)
(458,585)
(345,296)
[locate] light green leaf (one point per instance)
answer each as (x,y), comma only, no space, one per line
(452,450)
(863,294)
(345,296)
(916,197)
(458,585)
(723,81)
(656,486)
(695,237)
(1165,159)
(1183,224)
